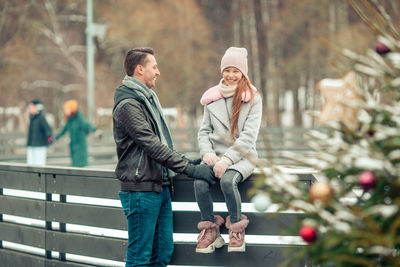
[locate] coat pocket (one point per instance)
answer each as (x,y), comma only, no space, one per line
(125,201)
(130,202)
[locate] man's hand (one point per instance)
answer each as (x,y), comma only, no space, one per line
(193,161)
(201,171)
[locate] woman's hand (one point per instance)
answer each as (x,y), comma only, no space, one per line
(210,159)
(98,134)
(221,166)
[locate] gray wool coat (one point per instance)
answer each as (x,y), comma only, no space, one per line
(214,133)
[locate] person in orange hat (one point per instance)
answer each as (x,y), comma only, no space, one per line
(70,107)
(78,129)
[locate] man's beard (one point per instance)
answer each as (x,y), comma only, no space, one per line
(150,84)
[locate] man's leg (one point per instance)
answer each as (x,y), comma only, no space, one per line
(142,211)
(163,241)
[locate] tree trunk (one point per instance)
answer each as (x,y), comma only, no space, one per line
(272,99)
(261,45)
(254,33)
(298,120)
(236,22)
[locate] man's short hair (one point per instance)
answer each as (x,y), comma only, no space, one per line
(136,56)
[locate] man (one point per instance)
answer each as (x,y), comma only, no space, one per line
(39,134)
(145,160)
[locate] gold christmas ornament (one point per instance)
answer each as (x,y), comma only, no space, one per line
(336,92)
(320,191)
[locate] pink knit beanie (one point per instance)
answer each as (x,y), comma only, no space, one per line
(235,57)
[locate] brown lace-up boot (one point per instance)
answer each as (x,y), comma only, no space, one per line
(210,237)
(236,234)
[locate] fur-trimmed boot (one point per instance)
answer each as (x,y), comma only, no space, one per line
(236,234)
(210,237)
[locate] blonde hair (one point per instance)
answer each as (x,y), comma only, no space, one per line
(243,88)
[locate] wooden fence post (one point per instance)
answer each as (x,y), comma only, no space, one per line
(63,226)
(1,218)
(49,226)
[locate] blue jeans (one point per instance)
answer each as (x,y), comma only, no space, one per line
(149,215)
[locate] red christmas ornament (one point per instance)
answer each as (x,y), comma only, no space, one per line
(381,49)
(308,233)
(367,180)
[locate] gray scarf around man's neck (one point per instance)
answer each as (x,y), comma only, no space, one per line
(153,104)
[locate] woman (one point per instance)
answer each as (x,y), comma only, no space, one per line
(78,129)
(231,109)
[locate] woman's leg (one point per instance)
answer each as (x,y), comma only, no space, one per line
(229,187)
(209,237)
(236,222)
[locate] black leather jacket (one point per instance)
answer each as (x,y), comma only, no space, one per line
(141,154)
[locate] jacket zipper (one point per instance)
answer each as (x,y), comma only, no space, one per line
(140,161)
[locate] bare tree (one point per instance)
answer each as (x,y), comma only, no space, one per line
(261,27)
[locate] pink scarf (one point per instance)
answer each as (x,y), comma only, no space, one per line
(214,93)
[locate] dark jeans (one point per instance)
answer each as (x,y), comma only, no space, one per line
(229,186)
(149,216)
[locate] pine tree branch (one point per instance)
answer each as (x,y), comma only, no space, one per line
(365,18)
(395,225)
(386,18)
(356,260)
(375,14)
(380,22)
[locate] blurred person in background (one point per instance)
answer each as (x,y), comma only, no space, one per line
(39,134)
(231,120)
(78,129)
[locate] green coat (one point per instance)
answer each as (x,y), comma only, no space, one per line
(78,129)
